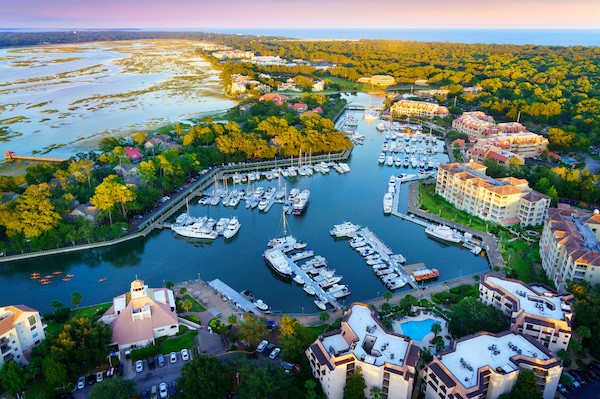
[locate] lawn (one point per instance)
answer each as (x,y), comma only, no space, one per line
(93,312)
(53,327)
(196,306)
(165,346)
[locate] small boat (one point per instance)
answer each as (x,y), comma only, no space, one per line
(320,304)
(444,233)
(309,289)
(298,279)
(57,272)
(70,275)
(232,228)
(263,307)
(300,245)
(48,276)
(65,279)
(35,276)
(45,281)
(103,279)
(388,202)
(345,229)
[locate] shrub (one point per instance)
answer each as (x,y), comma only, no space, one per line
(62,315)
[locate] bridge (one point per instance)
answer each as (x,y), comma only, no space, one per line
(10,156)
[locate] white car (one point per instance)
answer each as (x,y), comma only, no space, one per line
(185,355)
(99,376)
(173,357)
(274,354)
(81,383)
(139,366)
(162,389)
(261,347)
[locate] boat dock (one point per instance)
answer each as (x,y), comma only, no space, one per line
(238,300)
(375,241)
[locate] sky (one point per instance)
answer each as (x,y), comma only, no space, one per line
(308,14)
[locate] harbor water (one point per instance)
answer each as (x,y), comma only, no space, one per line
(164,256)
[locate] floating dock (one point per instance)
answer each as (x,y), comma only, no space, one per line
(237,299)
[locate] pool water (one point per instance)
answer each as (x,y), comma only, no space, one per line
(416,330)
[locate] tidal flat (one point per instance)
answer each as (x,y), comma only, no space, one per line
(62,99)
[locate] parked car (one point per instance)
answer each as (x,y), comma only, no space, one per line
(139,366)
(153,392)
(81,383)
(275,353)
(269,349)
(161,360)
(576,383)
(173,357)
(261,347)
(561,389)
(151,363)
(99,376)
(173,389)
(144,394)
(185,355)
(90,379)
(163,390)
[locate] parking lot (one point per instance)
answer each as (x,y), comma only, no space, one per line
(586,381)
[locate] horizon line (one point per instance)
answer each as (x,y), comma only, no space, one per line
(300,28)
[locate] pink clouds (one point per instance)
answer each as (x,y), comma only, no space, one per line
(348,14)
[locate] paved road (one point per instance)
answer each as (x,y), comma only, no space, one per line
(587,391)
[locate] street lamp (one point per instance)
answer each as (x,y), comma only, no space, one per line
(198,277)
(302,310)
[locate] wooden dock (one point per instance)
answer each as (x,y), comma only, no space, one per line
(10,156)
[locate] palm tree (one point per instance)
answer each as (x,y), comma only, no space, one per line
(436,328)
(324,316)
(186,305)
(76,298)
(182,290)
(387,296)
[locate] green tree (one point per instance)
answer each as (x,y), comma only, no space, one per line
(436,328)
(82,170)
(13,378)
(565,357)
(54,372)
(293,338)
(111,192)
(76,298)
(375,393)
(169,285)
(266,380)
(186,305)
(114,388)
(584,332)
(205,377)
(310,387)
(355,385)
(324,316)
(387,296)
(56,304)
(183,290)
(470,316)
(251,328)
(35,214)
(232,319)
(526,387)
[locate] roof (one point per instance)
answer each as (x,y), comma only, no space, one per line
(133,153)
(11,315)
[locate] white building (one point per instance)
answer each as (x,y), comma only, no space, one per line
(21,329)
(318,86)
(485,366)
(534,309)
(418,108)
(570,248)
(140,316)
(387,360)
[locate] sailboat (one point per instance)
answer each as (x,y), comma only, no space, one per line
(285,240)
(275,256)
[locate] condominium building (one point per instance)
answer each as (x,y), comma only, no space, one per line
(524,144)
(481,153)
(485,366)
(418,108)
(141,315)
(511,127)
(534,309)
(382,80)
(233,54)
(387,360)
(21,329)
(475,124)
(569,246)
(506,201)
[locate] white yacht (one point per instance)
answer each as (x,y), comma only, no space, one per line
(444,233)
(222,225)
(345,229)
(298,279)
(232,228)
(345,167)
(389,161)
(263,307)
(196,230)
(388,201)
(381,126)
(382,158)
(320,304)
(300,202)
(309,289)
(278,262)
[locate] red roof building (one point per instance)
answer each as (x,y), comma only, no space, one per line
(300,107)
(134,153)
(278,99)
(460,142)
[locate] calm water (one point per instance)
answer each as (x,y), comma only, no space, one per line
(355,197)
(418,329)
(559,37)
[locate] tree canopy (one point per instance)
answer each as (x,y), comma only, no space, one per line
(205,377)
(470,316)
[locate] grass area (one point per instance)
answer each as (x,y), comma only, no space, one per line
(196,306)
(435,204)
(93,312)
(349,85)
(519,256)
(165,346)
(53,327)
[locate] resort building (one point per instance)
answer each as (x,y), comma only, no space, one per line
(569,246)
(387,360)
(523,144)
(534,309)
(475,124)
(278,99)
(141,315)
(382,80)
(511,127)
(433,93)
(21,329)
(485,366)
(472,90)
(418,108)
(506,201)
(233,54)
(318,86)
(480,153)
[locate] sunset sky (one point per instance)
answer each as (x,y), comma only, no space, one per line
(346,14)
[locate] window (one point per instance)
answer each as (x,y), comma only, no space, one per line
(32,320)
(34,335)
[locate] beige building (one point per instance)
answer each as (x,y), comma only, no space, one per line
(21,329)
(420,109)
(475,124)
(387,360)
(481,153)
(534,309)
(485,366)
(506,201)
(524,144)
(141,315)
(382,80)
(569,246)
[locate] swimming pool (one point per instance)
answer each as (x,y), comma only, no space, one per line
(416,330)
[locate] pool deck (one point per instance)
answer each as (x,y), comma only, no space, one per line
(424,343)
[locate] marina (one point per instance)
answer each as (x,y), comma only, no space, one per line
(164,256)
(238,300)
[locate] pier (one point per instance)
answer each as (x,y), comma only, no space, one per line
(238,300)
(10,156)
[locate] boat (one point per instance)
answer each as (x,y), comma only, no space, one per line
(197,230)
(48,276)
(70,275)
(278,262)
(424,274)
(300,245)
(103,279)
(44,281)
(345,167)
(309,289)
(65,279)
(301,202)
(357,242)
(389,160)
(371,115)
(222,225)
(35,276)
(366,251)
(444,233)
(382,158)
(320,304)
(345,229)
(298,279)
(380,126)
(388,201)
(232,228)
(263,307)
